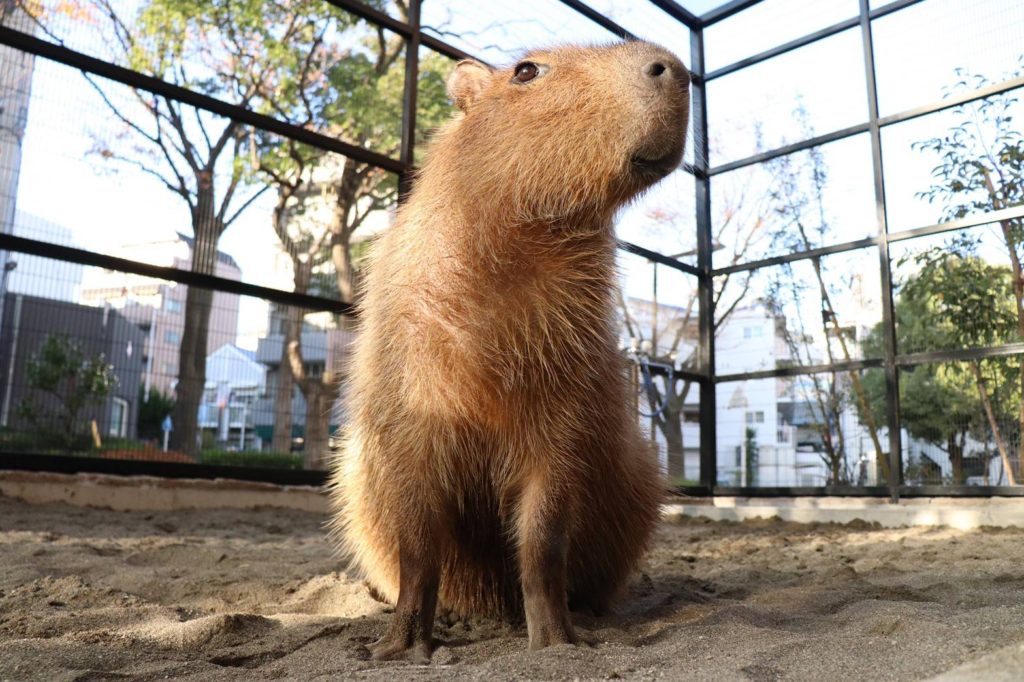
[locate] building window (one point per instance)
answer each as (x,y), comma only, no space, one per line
(172,337)
(119,418)
(753,332)
(755,417)
(170,369)
(172,306)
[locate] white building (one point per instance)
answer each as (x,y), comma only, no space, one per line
(234,384)
(769,430)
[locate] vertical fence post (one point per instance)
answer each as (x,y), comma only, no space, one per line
(409,94)
(705,283)
(885,266)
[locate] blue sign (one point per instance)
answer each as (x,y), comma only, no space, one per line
(166,425)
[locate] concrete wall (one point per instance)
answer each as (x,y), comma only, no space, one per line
(151,493)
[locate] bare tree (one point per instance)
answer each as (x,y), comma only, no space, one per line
(671,331)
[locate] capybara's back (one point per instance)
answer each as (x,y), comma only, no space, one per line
(492,462)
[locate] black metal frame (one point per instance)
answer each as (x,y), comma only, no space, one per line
(704,271)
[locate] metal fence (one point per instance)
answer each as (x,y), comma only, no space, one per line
(818,320)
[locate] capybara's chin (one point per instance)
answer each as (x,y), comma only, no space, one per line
(492,463)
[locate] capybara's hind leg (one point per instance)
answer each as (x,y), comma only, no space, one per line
(543,548)
(409,635)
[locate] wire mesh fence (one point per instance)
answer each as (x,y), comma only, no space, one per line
(188,201)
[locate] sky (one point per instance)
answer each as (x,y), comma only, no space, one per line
(63,184)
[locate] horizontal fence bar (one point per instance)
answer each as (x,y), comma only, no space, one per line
(678,12)
(1013,212)
(1010,213)
(684,491)
(656,257)
(684,373)
(882,11)
(690,375)
(68,464)
(802,41)
(725,11)
(972,221)
(375,16)
(816,141)
(907,115)
(799,370)
(599,19)
(961,491)
(692,170)
(905,360)
(802,491)
(959,355)
(871,491)
(9,242)
(796,256)
(68,57)
(441,47)
(820,34)
(951,102)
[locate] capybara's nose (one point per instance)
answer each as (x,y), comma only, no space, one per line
(661,69)
(655,69)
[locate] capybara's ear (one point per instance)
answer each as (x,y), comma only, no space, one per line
(467,81)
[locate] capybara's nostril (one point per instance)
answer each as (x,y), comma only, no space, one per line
(654,69)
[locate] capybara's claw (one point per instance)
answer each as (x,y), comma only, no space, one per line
(389,649)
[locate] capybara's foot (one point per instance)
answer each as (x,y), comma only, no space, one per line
(551,632)
(395,649)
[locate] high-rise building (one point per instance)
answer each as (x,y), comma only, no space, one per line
(159,307)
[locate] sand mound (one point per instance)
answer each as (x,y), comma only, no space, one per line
(224,630)
(249,595)
(332,595)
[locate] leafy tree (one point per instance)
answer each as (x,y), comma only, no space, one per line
(64,382)
(302,61)
(954,299)
(254,53)
(323,199)
(981,169)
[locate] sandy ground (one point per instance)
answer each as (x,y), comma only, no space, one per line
(248,595)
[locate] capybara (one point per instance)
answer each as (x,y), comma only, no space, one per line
(493,463)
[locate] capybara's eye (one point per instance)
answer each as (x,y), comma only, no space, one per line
(526,72)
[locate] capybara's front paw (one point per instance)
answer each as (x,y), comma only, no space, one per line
(552,632)
(392,649)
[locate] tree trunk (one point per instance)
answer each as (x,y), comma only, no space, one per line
(341,257)
(858,388)
(670,423)
(671,428)
(1020,417)
(956,459)
(319,399)
(1009,237)
(290,328)
(198,304)
(996,433)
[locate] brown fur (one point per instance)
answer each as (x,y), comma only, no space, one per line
(493,461)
